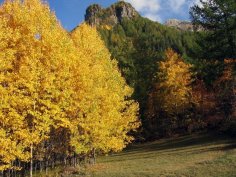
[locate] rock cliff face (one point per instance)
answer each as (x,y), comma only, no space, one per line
(181,25)
(96,15)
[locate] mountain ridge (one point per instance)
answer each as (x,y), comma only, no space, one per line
(96,15)
(180,24)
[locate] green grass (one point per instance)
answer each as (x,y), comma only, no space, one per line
(198,155)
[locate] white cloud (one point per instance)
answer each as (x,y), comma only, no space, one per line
(176,5)
(197,2)
(149,8)
(145,5)
(154,9)
(153,17)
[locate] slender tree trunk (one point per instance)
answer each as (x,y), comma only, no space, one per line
(94,156)
(15,170)
(65,162)
(31,160)
(35,167)
(40,166)
(22,173)
(74,160)
(12,170)
(46,169)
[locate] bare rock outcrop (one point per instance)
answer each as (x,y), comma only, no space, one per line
(181,25)
(96,15)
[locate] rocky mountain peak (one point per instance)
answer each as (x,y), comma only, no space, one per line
(96,15)
(179,24)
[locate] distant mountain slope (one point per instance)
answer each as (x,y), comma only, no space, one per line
(138,43)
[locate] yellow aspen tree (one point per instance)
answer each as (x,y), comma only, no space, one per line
(173,86)
(172,92)
(35,55)
(105,112)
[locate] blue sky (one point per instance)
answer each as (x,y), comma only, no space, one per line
(71,12)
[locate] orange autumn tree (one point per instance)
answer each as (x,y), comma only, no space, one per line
(225,90)
(217,101)
(172,91)
(106,114)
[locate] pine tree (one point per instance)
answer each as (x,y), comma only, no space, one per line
(218,18)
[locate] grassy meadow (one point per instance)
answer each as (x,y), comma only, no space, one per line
(198,155)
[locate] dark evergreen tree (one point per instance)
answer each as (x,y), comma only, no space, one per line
(218,19)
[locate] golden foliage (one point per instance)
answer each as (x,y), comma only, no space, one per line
(49,81)
(35,53)
(106,116)
(173,90)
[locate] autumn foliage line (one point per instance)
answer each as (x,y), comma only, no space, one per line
(181,100)
(172,95)
(189,88)
(62,97)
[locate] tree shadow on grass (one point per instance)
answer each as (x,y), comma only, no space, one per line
(195,144)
